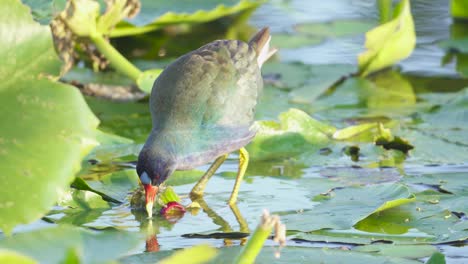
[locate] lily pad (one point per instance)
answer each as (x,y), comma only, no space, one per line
(342,208)
(402,251)
(293,41)
(427,215)
(296,133)
(8,256)
(159,14)
(45,10)
(390,42)
(320,80)
(286,75)
(287,255)
(337,28)
(51,128)
(146,80)
(92,247)
(194,255)
(130,120)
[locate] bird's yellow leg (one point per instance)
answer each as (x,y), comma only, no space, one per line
(199,188)
(243,163)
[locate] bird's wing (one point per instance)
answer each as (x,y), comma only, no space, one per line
(216,85)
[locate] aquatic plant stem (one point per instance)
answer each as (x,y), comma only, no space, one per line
(249,253)
(385,10)
(118,62)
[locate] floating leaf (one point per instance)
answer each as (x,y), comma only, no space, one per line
(402,251)
(194,255)
(146,80)
(93,247)
(293,41)
(319,81)
(296,133)
(335,28)
(286,75)
(158,14)
(7,256)
(390,42)
(50,127)
(81,184)
(346,207)
(353,131)
(288,255)
(436,258)
(45,10)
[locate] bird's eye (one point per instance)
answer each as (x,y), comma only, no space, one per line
(144,178)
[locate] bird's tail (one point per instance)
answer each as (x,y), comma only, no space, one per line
(261,43)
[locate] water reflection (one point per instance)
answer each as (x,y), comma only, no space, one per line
(432,19)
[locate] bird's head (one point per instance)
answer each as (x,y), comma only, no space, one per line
(153,170)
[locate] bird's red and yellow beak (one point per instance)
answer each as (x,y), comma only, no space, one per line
(150,194)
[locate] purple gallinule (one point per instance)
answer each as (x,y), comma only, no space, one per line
(202,108)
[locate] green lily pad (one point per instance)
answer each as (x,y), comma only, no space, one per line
(44,11)
(130,120)
(320,79)
(296,133)
(428,215)
(146,80)
(289,75)
(86,76)
(51,128)
(336,28)
(436,258)
(293,41)
(342,208)
(116,185)
(390,42)
(458,44)
(8,256)
(92,247)
(79,208)
(194,255)
(402,236)
(385,94)
(155,15)
(287,255)
(455,183)
(402,251)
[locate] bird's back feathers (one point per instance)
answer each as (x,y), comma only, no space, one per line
(204,102)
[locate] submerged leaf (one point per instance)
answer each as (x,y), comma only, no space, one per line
(390,42)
